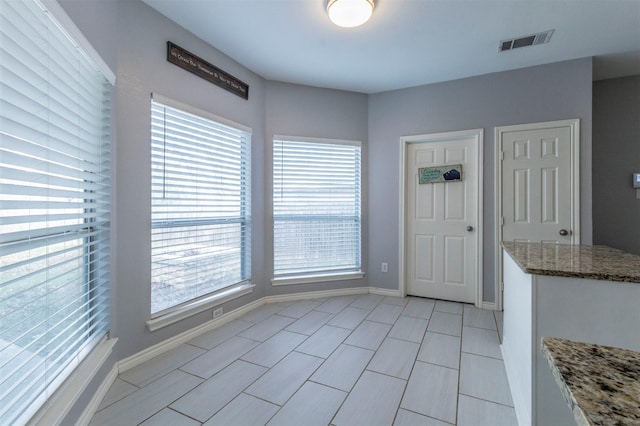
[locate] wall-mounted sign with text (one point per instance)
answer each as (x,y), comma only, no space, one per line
(452,173)
(192,63)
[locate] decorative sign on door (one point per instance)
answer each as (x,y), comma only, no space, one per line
(451,173)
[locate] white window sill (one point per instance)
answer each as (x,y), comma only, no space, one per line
(318,278)
(63,399)
(199,305)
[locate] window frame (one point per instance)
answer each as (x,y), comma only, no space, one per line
(339,274)
(200,303)
(91,225)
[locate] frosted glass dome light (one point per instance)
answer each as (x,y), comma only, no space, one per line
(349,13)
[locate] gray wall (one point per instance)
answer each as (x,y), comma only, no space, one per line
(131,37)
(616,156)
(293,110)
(143,69)
(543,93)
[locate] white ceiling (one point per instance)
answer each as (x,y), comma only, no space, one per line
(410,42)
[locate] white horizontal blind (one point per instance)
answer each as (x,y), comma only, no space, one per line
(316,207)
(201,213)
(54,207)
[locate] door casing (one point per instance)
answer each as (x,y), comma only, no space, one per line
(478,135)
(574,125)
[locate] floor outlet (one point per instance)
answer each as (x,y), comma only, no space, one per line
(217,312)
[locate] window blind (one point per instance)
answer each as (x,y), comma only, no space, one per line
(316,207)
(201,211)
(54,206)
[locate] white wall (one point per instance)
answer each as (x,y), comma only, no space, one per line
(543,93)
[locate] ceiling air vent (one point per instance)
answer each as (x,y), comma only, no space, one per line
(528,40)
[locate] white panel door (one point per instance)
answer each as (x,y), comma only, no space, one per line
(537,185)
(441,222)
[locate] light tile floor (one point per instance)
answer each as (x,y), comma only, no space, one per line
(350,360)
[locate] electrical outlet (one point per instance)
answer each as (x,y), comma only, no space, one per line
(217,312)
(384,267)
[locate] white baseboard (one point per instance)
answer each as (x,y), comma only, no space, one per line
(175,341)
(489,306)
(92,406)
(384,292)
(316,294)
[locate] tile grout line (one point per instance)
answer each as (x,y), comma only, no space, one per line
(404,391)
(365,368)
(487,400)
(356,381)
(323,360)
(459,368)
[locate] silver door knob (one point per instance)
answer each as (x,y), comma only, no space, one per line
(469,228)
(564,232)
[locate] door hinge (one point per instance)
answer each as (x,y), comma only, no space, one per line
(501,155)
(502,221)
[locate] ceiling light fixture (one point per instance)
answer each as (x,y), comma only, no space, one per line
(349,13)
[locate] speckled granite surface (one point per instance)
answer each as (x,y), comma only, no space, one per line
(565,260)
(600,383)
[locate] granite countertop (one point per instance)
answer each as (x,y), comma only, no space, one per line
(566,260)
(600,383)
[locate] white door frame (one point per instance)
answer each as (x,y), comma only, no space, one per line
(478,134)
(574,125)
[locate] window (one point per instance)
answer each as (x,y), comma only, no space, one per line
(54,204)
(316,208)
(200,212)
